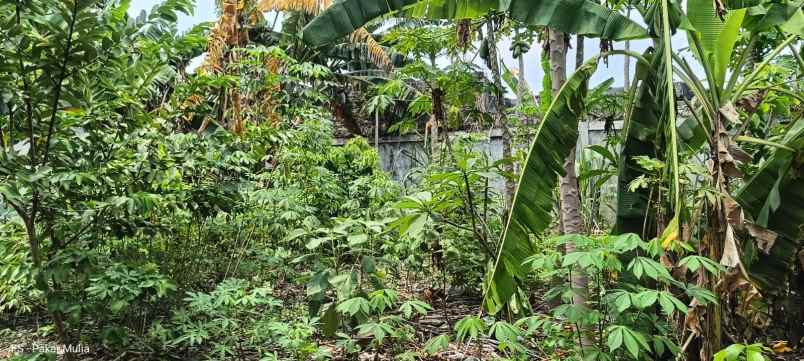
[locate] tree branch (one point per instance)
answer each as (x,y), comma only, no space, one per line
(57,93)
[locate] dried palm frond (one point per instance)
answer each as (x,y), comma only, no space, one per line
(222,35)
(312,7)
(237,125)
(268,104)
(191,102)
(376,53)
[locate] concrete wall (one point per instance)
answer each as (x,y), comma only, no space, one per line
(399,155)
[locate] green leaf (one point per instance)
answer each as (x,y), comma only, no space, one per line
(655,270)
(626,242)
(353,306)
(603,151)
(470,326)
(694,262)
(633,341)
(615,339)
(357,239)
(436,344)
(741,4)
(505,332)
(777,180)
(642,138)
(631,344)
(646,298)
(411,224)
(377,330)
(621,299)
(330,321)
(753,355)
(408,307)
(717,36)
(575,17)
(731,353)
(703,296)
(570,16)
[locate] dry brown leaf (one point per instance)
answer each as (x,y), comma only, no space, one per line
(801,258)
(736,279)
(730,112)
(694,316)
(312,7)
(765,238)
(731,255)
(738,153)
(376,53)
(734,213)
(751,103)
(725,157)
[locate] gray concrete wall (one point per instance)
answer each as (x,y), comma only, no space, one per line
(402,154)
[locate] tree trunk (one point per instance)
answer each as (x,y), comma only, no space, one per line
(572,223)
(521,92)
(579,50)
(500,119)
(377,130)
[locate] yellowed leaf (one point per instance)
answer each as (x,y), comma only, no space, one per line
(780,347)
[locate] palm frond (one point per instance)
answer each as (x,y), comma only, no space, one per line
(376,53)
(312,7)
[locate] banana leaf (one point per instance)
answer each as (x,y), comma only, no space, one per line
(741,4)
(642,137)
(449,9)
(774,198)
(534,201)
(717,36)
(789,17)
(571,16)
(575,17)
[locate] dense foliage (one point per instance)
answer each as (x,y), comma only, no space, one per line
(154,209)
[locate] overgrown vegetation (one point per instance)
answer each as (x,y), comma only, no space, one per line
(156,210)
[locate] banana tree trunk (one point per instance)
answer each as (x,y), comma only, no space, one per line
(572,223)
(521,92)
(501,119)
(579,51)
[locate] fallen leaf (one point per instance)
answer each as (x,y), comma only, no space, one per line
(780,347)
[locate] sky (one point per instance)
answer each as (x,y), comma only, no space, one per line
(205,11)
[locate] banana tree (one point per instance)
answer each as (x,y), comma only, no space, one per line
(534,201)
(652,130)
